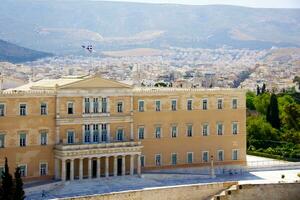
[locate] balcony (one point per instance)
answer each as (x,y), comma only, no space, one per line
(93,119)
(111,148)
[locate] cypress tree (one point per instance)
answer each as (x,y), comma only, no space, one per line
(19,192)
(268,118)
(7,183)
(273,112)
(257,90)
(263,89)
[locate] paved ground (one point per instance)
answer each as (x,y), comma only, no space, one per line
(114,184)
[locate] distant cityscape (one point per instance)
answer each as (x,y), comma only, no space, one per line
(172,67)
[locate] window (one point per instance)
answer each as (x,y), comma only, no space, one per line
(43,135)
(219,128)
(189,130)
(157,105)
(120,134)
(43,109)
(70,108)
(234,103)
(23,109)
(204,104)
(174,131)
(174,105)
(104,132)
(189,104)
(190,157)
(234,128)
(174,159)
(2,141)
(70,137)
(235,154)
(205,129)
(141,133)
(104,105)
(43,169)
(2,110)
(141,106)
(22,139)
(86,105)
(96,105)
(119,107)
(87,133)
(158,160)
(205,156)
(158,132)
(142,161)
(95,133)
(220,104)
(23,170)
(220,155)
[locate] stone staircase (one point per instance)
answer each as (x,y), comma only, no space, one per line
(224,195)
(266,191)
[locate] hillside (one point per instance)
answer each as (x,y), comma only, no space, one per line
(15,54)
(63,26)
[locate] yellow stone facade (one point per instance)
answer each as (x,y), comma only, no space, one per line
(85,127)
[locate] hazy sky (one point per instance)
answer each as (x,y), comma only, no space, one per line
(248,3)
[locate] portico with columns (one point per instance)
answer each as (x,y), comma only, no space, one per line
(97,160)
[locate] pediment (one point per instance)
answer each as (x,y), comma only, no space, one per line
(95,82)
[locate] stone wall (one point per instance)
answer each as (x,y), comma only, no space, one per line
(279,191)
(190,192)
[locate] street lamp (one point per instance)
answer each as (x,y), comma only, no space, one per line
(212,170)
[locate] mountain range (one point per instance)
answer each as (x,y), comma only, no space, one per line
(62,26)
(16,54)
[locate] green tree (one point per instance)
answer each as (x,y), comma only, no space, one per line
(250,96)
(7,183)
(297,80)
(160,84)
(272,114)
(259,131)
(284,101)
(291,118)
(262,102)
(291,136)
(19,193)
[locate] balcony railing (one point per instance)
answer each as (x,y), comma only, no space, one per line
(83,146)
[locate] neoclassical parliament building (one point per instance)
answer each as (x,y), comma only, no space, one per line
(90,127)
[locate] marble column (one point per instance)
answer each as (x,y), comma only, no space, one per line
(131,164)
(91,133)
(106,166)
(83,134)
(63,170)
(123,165)
(98,167)
(108,104)
(115,165)
(90,168)
(57,134)
(131,132)
(91,105)
(108,132)
(139,165)
(71,169)
(80,168)
(56,165)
